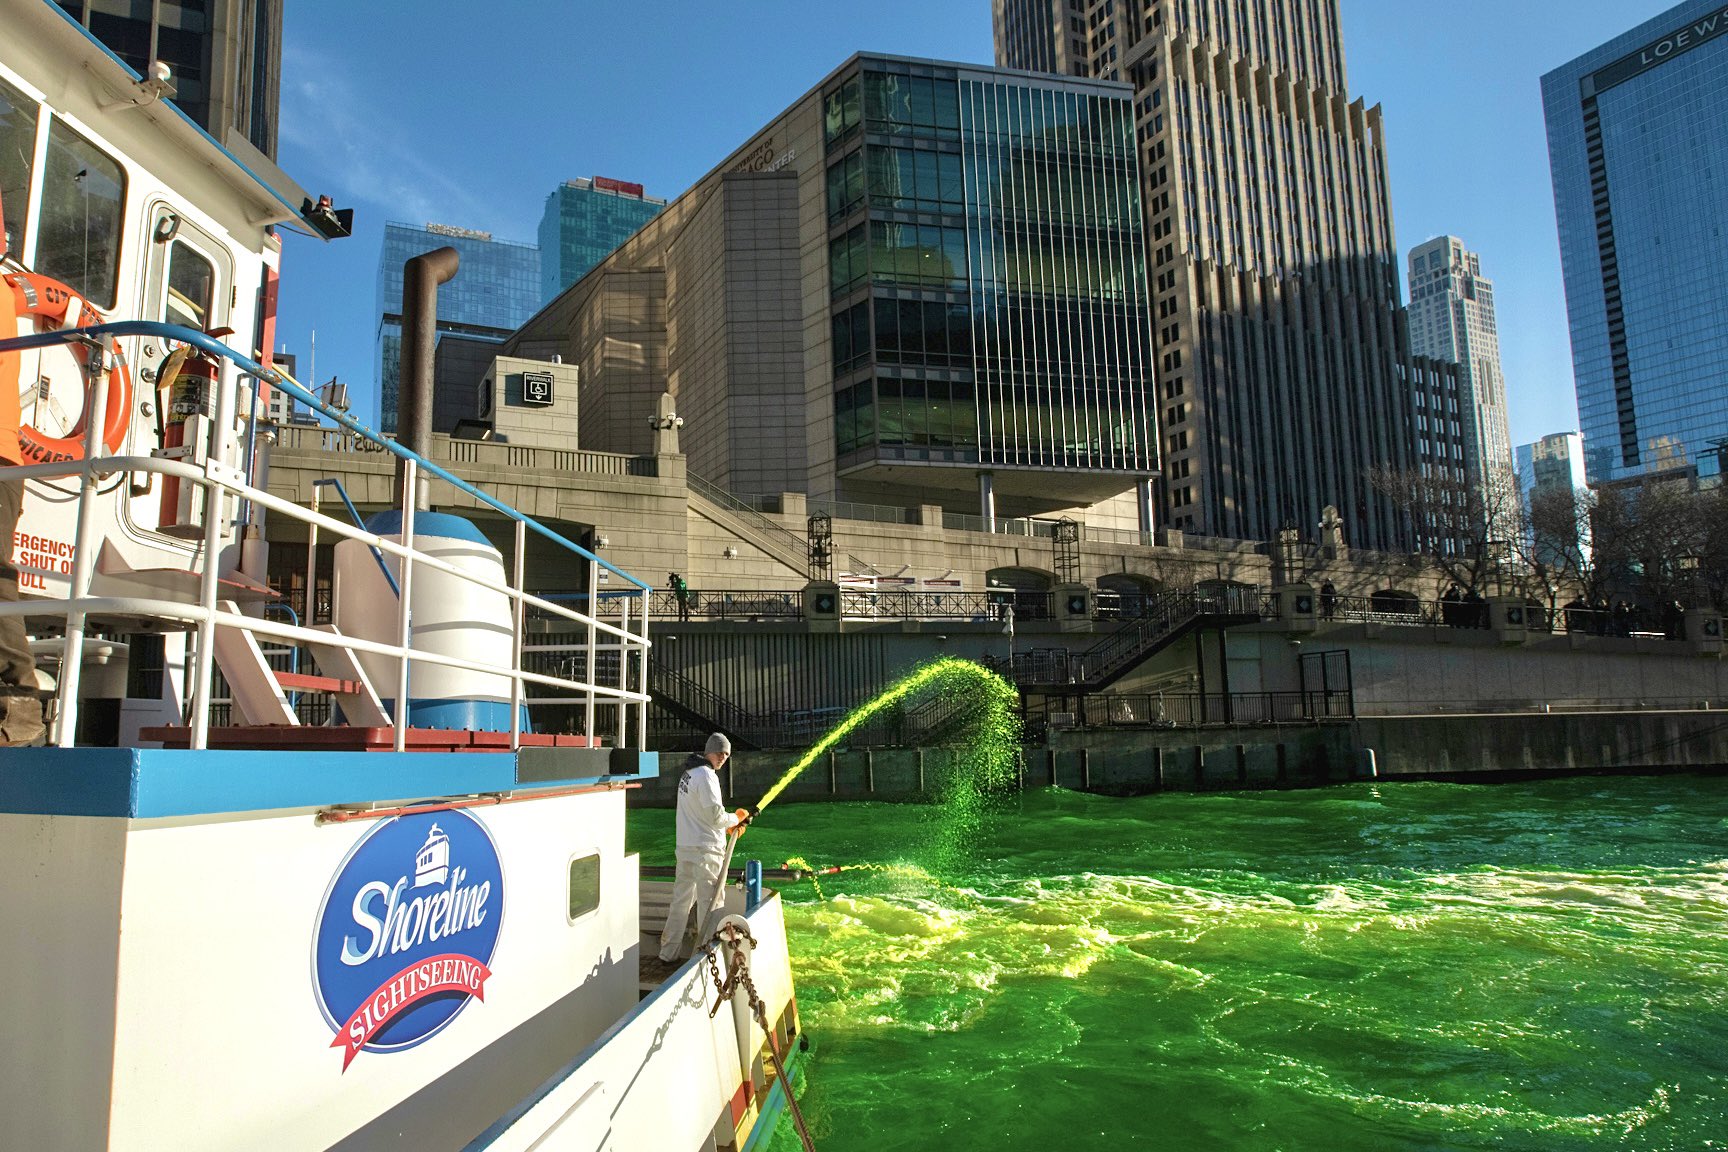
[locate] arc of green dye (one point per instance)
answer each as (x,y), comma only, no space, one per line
(1000,701)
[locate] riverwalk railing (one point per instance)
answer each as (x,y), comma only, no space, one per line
(728,604)
(1191,710)
(199,600)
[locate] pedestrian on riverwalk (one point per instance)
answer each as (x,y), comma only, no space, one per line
(704,825)
(680,593)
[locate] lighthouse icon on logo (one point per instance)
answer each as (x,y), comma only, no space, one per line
(432,862)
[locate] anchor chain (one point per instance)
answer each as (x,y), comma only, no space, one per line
(736,937)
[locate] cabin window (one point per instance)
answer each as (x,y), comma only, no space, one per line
(191,284)
(584,885)
(17,148)
(83,194)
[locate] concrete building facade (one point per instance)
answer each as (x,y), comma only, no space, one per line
(1452,319)
(1284,372)
(922,283)
(1638,148)
(497,288)
(583,222)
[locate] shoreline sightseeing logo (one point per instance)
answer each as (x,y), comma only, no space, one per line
(406,932)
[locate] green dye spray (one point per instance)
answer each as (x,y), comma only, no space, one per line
(986,764)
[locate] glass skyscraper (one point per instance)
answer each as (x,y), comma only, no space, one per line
(496,289)
(225,57)
(1638,145)
(987,273)
(922,283)
(584,221)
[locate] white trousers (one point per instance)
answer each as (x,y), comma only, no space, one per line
(697,887)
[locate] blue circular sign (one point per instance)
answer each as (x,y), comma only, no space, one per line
(406,932)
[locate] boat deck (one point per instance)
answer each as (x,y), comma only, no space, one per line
(656,896)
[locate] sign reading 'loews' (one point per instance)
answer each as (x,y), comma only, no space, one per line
(405,936)
(1700,31)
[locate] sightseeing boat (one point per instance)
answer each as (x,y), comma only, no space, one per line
(280,881)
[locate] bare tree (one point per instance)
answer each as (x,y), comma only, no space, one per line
(1469,531)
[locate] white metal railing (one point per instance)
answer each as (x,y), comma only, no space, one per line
(612,626)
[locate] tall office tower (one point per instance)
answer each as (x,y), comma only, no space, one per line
(1452,319)
(584,221)
(1552,469)
(921,284)
(1283,366)
(1553,462)
(225,57)
(496,289)
(1638,148)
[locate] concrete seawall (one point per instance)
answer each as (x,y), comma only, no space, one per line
(1140,761)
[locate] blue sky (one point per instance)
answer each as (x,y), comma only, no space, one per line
(416,112)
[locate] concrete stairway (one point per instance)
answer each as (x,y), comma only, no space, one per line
(716,505)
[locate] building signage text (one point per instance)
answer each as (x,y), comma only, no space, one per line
(763,158)
(1700,31)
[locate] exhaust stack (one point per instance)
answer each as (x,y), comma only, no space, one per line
(421,277)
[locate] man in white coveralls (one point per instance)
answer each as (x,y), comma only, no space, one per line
(703,826)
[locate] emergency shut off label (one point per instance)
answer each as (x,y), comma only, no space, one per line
(37,557)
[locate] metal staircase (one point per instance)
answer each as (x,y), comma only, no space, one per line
(1165,619)
(707,710)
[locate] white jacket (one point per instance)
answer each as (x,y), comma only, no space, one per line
(702,818)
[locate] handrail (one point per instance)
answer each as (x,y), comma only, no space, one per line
(207,618)
(275,376)
(220,482)
(737,507)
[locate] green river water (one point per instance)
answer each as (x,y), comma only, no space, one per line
(1390,966)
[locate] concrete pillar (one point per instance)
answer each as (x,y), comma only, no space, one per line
(821,600)
(1506,619)
(1703,631)
(1297,607)
(1073,607)
(987,499)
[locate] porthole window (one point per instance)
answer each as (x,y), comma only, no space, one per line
(584,885)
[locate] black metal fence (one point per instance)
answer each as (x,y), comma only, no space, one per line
(1193,710)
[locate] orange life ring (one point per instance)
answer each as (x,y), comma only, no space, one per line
(50,302)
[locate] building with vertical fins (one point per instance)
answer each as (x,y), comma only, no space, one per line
(224,56)
(922,284)
(1283,366)
(1638,150)
(1452,319)
(583,222)
(497,289)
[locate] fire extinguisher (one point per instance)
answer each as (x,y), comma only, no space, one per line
(188,393)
